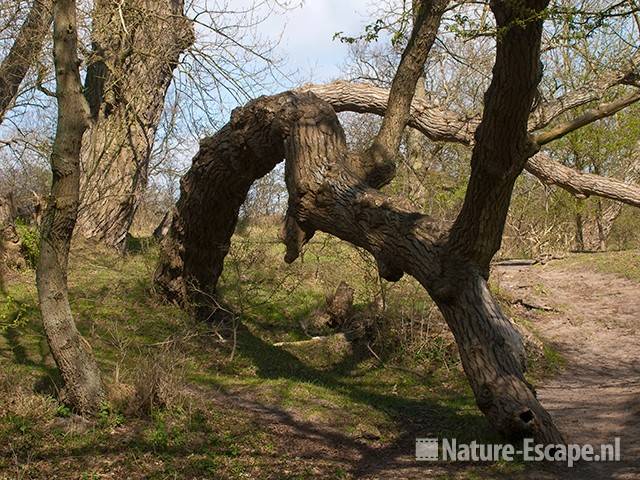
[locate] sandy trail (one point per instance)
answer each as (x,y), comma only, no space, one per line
(593,320)
(596,329)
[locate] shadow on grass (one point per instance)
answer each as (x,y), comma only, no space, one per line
(49,380)
(451,416)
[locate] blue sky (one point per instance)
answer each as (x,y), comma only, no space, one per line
(307,44)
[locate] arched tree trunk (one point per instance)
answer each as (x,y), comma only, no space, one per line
(335,201)
(330,190)
(72,354)
(136,47)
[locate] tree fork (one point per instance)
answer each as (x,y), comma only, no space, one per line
(329,197)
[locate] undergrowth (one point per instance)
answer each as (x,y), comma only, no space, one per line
(188,399)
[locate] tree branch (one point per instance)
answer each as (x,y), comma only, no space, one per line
(590,116)
(379,159)
(549,111)
(580,184)
(439,124)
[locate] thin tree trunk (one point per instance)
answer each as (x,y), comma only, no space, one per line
(72,354)
(137,45)
(601,236)
(21,57)
(7,230)
(606,222)
(579,225)
(608,216)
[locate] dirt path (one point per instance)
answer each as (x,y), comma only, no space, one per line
(596,328)
(592,319)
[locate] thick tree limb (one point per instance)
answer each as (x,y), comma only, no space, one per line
(502,142)
(438,124)
(26,46)
(442,125)
(551,172)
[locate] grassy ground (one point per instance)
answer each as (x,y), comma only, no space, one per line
(625,263)
(192,400)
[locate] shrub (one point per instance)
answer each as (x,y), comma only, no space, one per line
(30,243)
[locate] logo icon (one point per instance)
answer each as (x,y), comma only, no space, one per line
(426,449)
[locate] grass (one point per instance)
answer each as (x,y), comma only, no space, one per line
(226,403)
(625,263)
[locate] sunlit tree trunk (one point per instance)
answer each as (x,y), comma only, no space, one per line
(72,354)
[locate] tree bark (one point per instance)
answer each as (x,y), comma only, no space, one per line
(7,236)
(579,225)
(72,354)
(136,47)
(21,57)
(438,124)
(327,194)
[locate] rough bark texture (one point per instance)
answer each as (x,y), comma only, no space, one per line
(441,125)
(72,354)
(136,47)
(378,162)
(327,194)
(21,57)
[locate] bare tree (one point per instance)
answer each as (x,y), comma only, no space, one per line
(73,355)
(334,191)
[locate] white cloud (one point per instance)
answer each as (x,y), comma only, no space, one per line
(307,42)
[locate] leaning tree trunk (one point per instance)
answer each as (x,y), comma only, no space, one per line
(23,52)
(331,199)
(136,47)
(329,190)
(73,355)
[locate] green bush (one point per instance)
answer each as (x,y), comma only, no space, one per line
(30,240)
